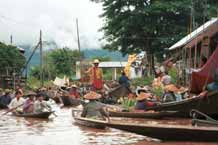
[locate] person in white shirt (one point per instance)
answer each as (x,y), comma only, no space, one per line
(17,103)
(40,105)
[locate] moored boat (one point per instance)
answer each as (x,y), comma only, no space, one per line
(169,132)
(153,115)
(207,105)
(43,115)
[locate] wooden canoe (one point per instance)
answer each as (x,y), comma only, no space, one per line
(67,101)
(170,132)
(98,124)
(207,105)
(153,115)
(43,115)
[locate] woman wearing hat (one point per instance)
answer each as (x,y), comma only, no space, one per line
(40,105)
(96,76)
(143,99)
(28,106)
(73,93)
(93,109)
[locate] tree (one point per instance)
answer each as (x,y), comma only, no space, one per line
(58,62)
(10,57)
(150,25)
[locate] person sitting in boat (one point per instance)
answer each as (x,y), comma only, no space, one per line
(143,99)
(214,85)
(5,99)
(17,103)
(41,105)
(171,91)
(93,109)
(124,80)
(28,106)
(73,92)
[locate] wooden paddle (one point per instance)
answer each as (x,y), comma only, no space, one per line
(48,109)
(12,109)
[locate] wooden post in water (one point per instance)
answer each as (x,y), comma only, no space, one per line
(77,30)
(41,60)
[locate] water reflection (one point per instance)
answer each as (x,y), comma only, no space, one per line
(61,130)
(57,130)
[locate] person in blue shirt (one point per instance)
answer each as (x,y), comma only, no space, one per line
(214,85)
(5,99)
(124,80)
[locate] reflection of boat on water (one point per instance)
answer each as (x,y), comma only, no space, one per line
(44,115)
(154,115)
(207,105)
(67,101)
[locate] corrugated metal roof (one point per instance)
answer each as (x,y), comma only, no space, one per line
(194,34)
(113,64)
(109,64)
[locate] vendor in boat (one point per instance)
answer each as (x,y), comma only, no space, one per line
(93,109)
(214,85)
(171,70)
(17,103)
(41,105)
(5,99)
(28,106)
(171,91)
(73,92)
(143,99)
(96,76)
(124,80)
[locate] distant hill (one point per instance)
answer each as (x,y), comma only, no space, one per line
(88,53)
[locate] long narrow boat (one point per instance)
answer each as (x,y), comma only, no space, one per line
(153,115)
(86,121)
(168,132)
(67,101)
(90,122)
(207,105)
(43,115)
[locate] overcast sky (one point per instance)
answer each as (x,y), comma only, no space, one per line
(24,18)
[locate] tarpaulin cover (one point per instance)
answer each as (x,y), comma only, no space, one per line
(205,75)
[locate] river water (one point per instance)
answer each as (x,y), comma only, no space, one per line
(61,130)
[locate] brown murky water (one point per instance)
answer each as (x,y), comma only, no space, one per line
(62,131)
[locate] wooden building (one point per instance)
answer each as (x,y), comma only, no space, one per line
(201,42)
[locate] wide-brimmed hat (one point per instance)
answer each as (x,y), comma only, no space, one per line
(96,61)
(74,86)
(171,88)
(143,96)
(31,93)
(7,91)
(92,96)
(139,89)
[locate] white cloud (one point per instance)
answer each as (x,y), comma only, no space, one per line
(56,18)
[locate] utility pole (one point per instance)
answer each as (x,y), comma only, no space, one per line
(41,60)
(11,39)
(77,29)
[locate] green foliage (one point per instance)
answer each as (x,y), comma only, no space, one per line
(10,57)
(58,62)
(150,25)
(142,81)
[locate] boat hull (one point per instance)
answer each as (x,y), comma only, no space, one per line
(89,123)
(207,105)
(43,115)
(152,115)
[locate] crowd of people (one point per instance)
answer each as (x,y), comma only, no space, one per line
(16,103)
